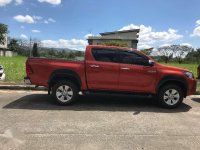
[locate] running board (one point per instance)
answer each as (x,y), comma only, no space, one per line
(115,93)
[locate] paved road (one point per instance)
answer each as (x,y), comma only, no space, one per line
(29,120)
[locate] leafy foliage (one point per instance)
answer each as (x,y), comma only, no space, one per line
(115,43)
(180,51)
(147,51)
(35,50)
(3,31)
(193,56)
(53,53)
(166,53)
(13,45)
(174,51)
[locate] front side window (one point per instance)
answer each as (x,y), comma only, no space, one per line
(105,55)
(129,57)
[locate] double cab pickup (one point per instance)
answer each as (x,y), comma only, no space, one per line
(111,69)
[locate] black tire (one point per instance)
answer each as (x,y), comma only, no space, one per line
(171,100)
(68,95)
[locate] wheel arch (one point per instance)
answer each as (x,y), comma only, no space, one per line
(176,80)
(64,74)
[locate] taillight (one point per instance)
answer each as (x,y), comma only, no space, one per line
(28,68)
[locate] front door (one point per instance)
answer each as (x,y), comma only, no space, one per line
(135,75)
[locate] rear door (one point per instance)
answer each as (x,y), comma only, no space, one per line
(102,70)
(135,73)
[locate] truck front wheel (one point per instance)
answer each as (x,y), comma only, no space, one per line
(65,92)
(170,96)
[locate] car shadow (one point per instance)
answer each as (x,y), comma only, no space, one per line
(196,100)
(95,102)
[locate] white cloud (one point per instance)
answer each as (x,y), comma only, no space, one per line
(163,45)
(63,43)
(144,46)
(53,2)
(186,44)
(24,19)
(87,35)
(27,18)
(196,31)
(5,2)
(51,20)
(182,44)
(197,22)
(18,2)
(37,18)
(23,36)
(148,36)
(36,31)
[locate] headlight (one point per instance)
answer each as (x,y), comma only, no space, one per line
(189,75)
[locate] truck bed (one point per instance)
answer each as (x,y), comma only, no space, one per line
(49,65)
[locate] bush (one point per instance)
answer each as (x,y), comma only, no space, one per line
(115,43)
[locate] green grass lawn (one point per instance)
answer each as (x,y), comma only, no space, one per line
(14,68)
(190,67)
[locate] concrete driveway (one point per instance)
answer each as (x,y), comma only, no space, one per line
(30,120)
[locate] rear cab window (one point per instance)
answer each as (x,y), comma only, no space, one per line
(105,55)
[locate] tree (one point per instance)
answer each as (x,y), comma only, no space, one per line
(13,45)
(166,53)
(35,50)
(147,51)
(3,31)
(180,51)
(193,56)
(174,51)
(71,55)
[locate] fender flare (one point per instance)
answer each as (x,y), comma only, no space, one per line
(173,78)
(64,73)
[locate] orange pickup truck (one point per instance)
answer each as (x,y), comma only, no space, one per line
(111,69)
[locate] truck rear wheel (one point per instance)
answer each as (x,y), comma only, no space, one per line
(65,92)
(170,96)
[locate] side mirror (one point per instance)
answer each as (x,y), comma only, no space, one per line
(151,62)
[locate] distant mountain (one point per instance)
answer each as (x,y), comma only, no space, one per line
(59,49)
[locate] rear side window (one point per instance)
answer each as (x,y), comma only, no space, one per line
(105,55)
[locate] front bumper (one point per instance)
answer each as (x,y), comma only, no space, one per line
(27,81)
(192,87)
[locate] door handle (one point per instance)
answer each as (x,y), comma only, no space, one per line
(125,68)
(94,66)
(151,71)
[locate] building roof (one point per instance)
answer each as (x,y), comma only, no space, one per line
(124,31)
(109,38)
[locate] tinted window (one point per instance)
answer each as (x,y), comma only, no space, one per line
(106,55)
(128,57)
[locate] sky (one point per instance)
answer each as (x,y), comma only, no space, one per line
(68,23)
